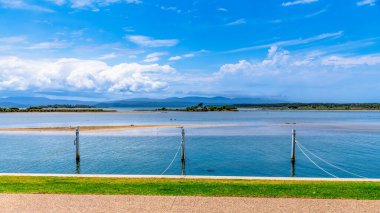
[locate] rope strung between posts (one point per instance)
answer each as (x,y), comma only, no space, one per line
(325,161)
(315,163)
(179,148)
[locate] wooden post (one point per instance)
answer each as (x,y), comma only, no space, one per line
(293,169)
(77,144)
(183,158)
(293,155)
(77,169)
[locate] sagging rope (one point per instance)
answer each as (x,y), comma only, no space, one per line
(325,161)
(315,163)
(179,148)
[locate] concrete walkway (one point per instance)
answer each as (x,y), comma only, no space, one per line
(125,203)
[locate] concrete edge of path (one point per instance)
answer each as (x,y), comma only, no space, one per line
(193,177)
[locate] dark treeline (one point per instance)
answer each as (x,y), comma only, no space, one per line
(48,109)
(68,106)
(314,106)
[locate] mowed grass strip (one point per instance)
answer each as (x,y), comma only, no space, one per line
(190,187)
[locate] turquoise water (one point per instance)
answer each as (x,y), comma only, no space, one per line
(254,143)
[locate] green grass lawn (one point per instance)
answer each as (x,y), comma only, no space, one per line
(191,187)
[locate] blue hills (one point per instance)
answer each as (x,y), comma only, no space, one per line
(23,102)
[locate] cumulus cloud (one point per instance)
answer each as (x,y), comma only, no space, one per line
(280,61)
(276,57)
(366,3)
(151,42)
(70,74)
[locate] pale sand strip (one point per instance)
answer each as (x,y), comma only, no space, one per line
(106,128)
(128,203)
(195,177)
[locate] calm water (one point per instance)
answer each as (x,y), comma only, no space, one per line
(256,143)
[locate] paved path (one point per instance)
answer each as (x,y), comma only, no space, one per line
(124,203)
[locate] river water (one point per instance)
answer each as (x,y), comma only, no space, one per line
(252,143)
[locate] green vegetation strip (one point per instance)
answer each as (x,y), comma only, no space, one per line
(190,187)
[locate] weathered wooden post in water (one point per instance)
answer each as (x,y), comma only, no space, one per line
(293,155)
(183,158)
(77,144)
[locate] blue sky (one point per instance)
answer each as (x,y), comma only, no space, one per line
(296,50)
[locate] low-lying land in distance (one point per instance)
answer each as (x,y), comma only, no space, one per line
(201,108)
(206,108)
(312,106)
(56,108)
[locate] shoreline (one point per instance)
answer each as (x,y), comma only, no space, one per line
(106,128)
(191,177)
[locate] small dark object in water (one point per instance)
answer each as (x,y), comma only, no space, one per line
(210,170)
(290,123)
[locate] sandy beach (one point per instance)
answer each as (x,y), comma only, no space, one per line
(105,128)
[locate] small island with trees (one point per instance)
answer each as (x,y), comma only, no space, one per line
(202,108)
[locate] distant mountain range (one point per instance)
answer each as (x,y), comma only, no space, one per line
(184,102)
(23,102)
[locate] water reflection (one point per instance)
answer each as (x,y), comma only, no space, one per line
(77,169)
(293,168)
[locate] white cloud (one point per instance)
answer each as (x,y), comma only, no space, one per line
(70,74)
(275,58)
(150,42)
(303,75)
(291,3)
(23,5)
(13,39)
(175,58)
(175,9)
(109,56)
(237,22)
(316,13)
(366,2)
(154,57)
(92,4)
(369,60)
(134,1)
(50,45)
(282,61)
(222,9)
(187,55)
(290,42)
